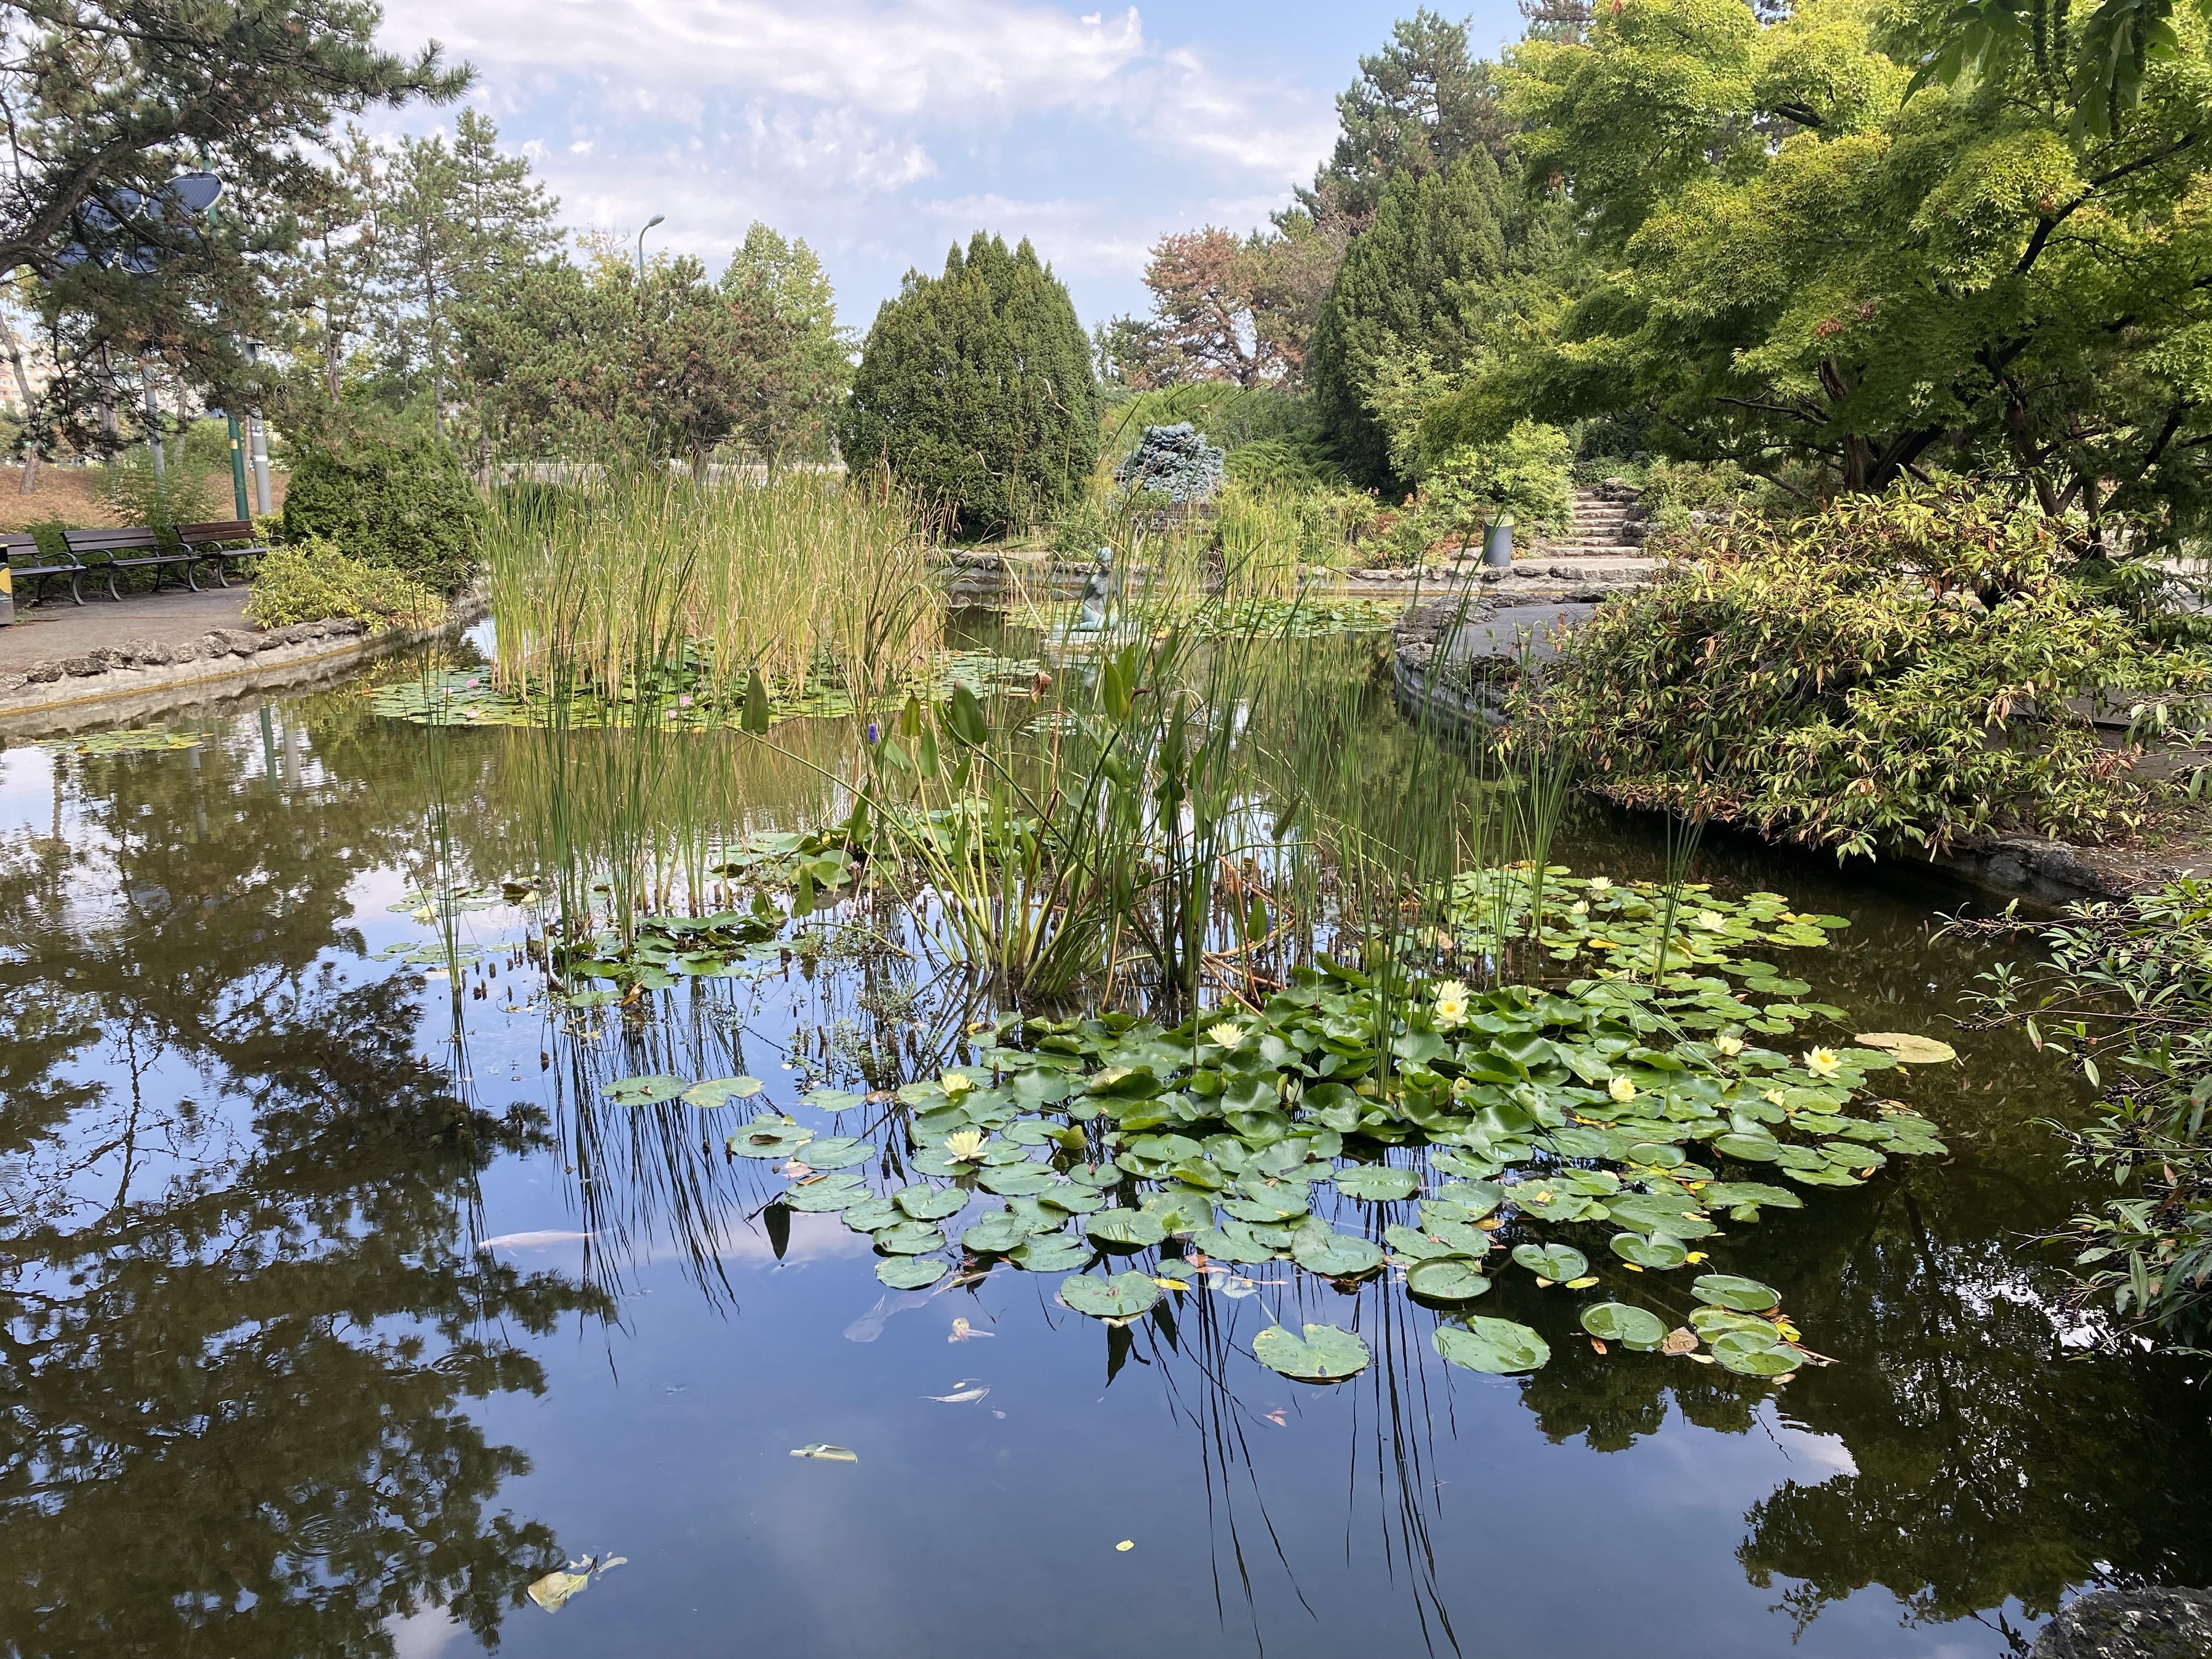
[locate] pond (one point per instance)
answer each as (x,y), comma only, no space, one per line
(345,1304)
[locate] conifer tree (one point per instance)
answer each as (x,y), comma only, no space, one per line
(976,389)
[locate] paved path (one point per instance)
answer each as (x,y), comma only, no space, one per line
(171,617)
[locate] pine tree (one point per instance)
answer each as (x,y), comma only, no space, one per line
(977,388)
(1404,289)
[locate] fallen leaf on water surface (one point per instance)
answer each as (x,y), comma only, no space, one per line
(826,1454)
(1240,1287)
(1126,1544)
(552,1591)
(1911,1050)
(1681,1339)
(1276,1418)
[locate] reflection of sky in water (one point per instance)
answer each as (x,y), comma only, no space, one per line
(1412,1510)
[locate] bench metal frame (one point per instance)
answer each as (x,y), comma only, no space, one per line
(23,544)
(134,538)
(202,542)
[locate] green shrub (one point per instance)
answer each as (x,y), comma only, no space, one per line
(178,495)
(311,580)
(392,495)
(1226,414)
(976,390)
(1674,489)
(1297,460)
(47,533)
(1891,672)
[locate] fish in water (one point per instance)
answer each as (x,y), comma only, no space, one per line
(869,1325)
(537,1241)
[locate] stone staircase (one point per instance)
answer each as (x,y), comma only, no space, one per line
(1606,524)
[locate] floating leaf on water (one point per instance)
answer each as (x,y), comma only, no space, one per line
(1050,1253)
(1755,1148)
(912,1273)
(1231,1244)
(909,1238)
(1289,1204)
(1657,1251)
(1709,1322)
(994,1234)
(1446,1278)
(1617,1321)
(720,1090)
(1017,1180)
(1122,1297)
(144,741)
(1680,1342)
(1376,1183)
(1477,1198)
(1415,1245)
(828,1100)
(770,1137)
(1325,1355)
(646,1090)
(872,1215)
(927,1203)
(1501,1346)
(1124,1230)
(837,1153)
(826,1196)
(1911,1050)
(1557,1262)
(1748,1354)
(595,997)
(1739,1294)
(1336,1256)
(555,1589)
(1074,1197)
(826,1454)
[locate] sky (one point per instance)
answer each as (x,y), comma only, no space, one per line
(884,130)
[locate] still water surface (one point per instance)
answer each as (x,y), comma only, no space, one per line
(307,1351)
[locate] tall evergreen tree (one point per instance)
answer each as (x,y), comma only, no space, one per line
(1411,283)
(977,388)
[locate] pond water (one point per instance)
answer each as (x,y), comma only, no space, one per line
(340,1309)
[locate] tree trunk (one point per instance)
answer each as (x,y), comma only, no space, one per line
(29,481)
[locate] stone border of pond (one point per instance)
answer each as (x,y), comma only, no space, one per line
(989,576)
(137,677)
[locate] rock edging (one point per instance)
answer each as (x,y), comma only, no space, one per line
(133,668)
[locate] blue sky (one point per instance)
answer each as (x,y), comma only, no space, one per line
(882,130)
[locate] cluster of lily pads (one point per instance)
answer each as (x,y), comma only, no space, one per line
(140,741)
(1612,1117)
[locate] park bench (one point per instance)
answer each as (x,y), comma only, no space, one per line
(27,563)
(111,544)
(206,541)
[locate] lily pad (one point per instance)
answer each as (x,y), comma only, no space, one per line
(912,1273)
(1124,1230)
(1738,1295)
(837,1153)
(1446,1278)
(647,1091)
(1617,1321)
(872,1215)
(932,1203)
(1415,1245)
(1752,1355)
(827,1196)
(720,1090)
(1751,1149)
(1557,1262)
(1657,1251)
(1049,1253)
(1500,1347)
(1017,1180)
(1337,1256)
(1376,1183)
(1122,1297)
(1325,1355)
(1477,1198)
(1231,1244)
(770,1137)
(909,1238)
(994,1234)
(1911,1050)
(1072,1197)
(1288,1204)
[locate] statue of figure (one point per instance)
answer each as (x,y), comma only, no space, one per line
(1092,617)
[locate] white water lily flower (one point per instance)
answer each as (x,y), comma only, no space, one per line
(1599,883)
(963,1144)
(1728,1045)
(1712,921)
(1224,1034)
(1621,1090)
(1775,1097)
(1451,1003)
(1824,1062)
(956,1083)
(1579,907)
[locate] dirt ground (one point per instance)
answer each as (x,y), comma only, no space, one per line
(76,495)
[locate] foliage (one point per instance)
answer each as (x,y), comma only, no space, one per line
(311,580)
(1422,105)
(1301,460)
(176,494)
(1240,310)
(1797,262)
(1173,461)
(1228,415)
(2126,996)
(391,494)
(110,101)
(1524,476)
(1890,673)
(1438,279)
(1673,490)
(974,389)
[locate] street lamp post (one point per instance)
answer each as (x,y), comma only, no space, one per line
(657,218)
(259,433)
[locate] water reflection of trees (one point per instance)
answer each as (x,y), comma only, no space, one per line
(242,1328)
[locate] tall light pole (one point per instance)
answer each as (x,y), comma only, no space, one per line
(657,218)
(257,436)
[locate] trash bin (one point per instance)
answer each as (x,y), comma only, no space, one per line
(1498,546)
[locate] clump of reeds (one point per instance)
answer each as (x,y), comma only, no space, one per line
(806,576)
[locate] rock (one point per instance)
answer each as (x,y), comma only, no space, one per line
(2140,1624)
(83,667)
(183,654)
(43,673)
(231,642)
(151,654)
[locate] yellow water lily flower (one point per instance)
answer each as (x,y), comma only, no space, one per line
(1712,921)
(956,1083)
(1224,1034)
(1775,1097)
(1728,1044)
(1621,1090)
(1824,1062)
(1451,1003)
(963,1144)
